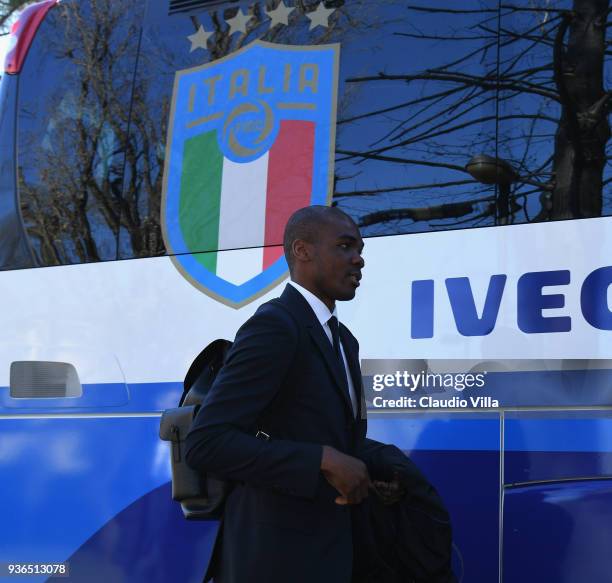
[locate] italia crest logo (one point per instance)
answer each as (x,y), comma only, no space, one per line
(250,140)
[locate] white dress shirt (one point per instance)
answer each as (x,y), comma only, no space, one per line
(323,315)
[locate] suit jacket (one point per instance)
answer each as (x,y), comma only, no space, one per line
(282,377)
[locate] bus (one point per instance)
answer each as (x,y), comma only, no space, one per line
(150,155)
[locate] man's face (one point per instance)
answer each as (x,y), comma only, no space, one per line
(336,262)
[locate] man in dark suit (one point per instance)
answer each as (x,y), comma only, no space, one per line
(285,420)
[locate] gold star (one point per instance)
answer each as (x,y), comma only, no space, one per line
(199,39)
(280,15)
(238,23)
(320,17)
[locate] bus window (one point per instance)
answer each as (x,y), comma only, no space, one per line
(73,113)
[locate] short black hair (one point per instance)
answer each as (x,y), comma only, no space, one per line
(304,223)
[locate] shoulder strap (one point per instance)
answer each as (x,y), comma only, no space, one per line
(203,371)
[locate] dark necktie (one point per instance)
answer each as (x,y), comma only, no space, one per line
(335,332)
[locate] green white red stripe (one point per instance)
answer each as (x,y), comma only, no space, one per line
(243,208)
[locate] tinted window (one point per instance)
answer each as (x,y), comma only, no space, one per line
(449,115)
(73,117)
(492,116)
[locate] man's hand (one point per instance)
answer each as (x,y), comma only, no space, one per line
(346,474)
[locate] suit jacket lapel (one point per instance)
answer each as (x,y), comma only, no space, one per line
(352,359)
(333,364)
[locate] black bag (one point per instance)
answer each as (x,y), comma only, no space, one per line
(408,541)
(202,497)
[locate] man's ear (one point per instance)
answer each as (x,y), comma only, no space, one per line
(302,250)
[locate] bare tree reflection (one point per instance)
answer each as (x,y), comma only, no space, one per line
(550,121)
(71,181)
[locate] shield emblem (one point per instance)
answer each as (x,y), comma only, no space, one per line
(250,140)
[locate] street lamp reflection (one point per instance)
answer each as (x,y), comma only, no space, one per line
(490,170)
